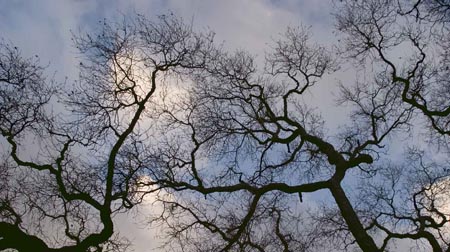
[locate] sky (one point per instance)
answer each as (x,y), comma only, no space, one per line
(45,28)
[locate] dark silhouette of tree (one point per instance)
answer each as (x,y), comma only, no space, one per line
(232,149)
(86,160)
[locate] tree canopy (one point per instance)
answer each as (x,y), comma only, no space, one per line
(231,149)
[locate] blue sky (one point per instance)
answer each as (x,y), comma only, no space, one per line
(45,28)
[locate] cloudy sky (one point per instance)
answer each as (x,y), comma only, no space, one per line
(45,28)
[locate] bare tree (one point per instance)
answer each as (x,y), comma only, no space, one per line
(267,145)
(411,202)
(231,148)
(61,193)
(254,144)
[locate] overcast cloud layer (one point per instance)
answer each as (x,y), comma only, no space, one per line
(45,28)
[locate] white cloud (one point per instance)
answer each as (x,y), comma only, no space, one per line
(44,28)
